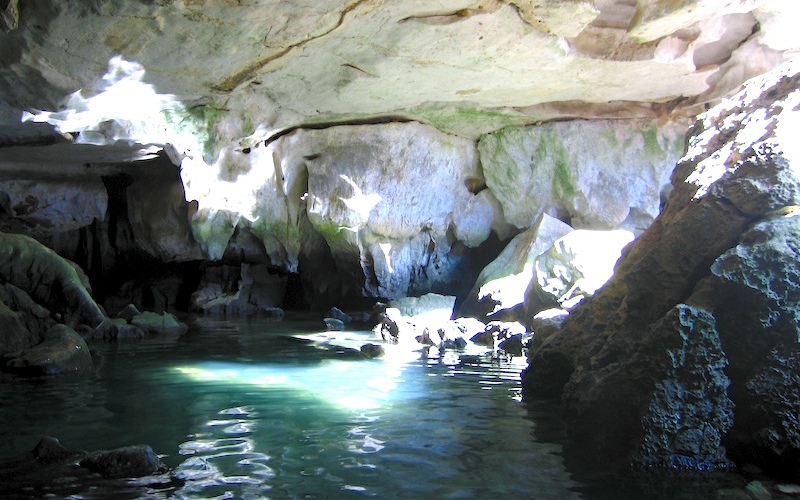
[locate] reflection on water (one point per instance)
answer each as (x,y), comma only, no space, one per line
(258,409)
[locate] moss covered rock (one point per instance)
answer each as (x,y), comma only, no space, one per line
(48,279)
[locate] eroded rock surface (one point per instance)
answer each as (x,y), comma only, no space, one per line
(692,346)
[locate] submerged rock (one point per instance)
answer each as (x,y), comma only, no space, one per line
(130,461)
(52,470)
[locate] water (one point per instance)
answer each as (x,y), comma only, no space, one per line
(264,409)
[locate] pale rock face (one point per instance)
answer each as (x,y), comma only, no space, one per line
(388,200)
(467,67)
(575,267)
(45,205)
(594,174)
(502,284)
(391,203)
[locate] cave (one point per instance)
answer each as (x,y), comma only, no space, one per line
(349,249)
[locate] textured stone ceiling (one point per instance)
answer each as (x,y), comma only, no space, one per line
(463,66)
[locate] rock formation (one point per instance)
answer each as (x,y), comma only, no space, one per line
(236,157)
(686,358)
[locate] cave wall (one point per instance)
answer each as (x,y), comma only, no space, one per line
(687,358)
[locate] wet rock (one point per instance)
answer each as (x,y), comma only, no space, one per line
(333,324)
(151,322)
(116,329)
(396,328)
(337,313)
(62,351)
(51,470)
(372,350)
(128,312)
(130,461)
(50,449)
(515,344)
(14,336)
(47,278)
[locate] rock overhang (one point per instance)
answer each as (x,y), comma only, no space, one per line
(465,67)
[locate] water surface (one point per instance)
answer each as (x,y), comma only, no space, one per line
(265,409)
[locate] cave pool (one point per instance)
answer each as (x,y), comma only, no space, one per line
(257,408)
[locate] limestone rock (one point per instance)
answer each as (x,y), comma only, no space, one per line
(517,63)
(46,205)
(48,278)
(387,236)
(130,461)
(597,175)
(502,284)
(573,268)
(62,351)
(243,290)
(333,324)
(128,312)
(429,308)
(14,337)
(337,313)
(151,322)
(372,350)
(707,294)
(159,219)
(116,329)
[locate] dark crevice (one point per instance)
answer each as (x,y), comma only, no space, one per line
(380,120)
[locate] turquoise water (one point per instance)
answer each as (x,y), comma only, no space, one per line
(265,409)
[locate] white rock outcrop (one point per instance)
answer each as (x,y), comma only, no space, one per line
(596,175)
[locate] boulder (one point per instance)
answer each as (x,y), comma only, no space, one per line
(14,337)
(62,351)
(333,324)
(337,313)
(128,312)
(48,279)
(502,284)
(687,356)
(429,308)
(115,329)
(130,461)
(372,350)
(151,322)
(574,268)
(52,470)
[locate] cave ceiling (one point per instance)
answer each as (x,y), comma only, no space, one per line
(465,67)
